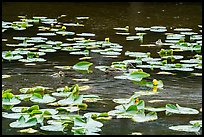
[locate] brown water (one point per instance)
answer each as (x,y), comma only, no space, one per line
(182,88)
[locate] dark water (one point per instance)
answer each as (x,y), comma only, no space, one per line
(181,89)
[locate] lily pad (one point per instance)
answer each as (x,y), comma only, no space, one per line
(14,115)
(65,33)
(28,130)
(9,99)
(47,50)
(23,123)
(38,98)
(85,52)
(186,128)
(63,67)
(6,76)
(86,34)
(83,65)
(54,127)
(196,121)
(88,127)
(155,109)
(141,117)
(180,110)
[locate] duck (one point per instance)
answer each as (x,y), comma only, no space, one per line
(111,69)
(158,42)
(59,74)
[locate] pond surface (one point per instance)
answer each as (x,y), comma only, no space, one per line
(183,88)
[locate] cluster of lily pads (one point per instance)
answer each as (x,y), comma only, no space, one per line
(62,118)
(180,40)
(65,117)
(39,45)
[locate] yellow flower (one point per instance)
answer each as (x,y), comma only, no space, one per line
(155,89)
(155,82)
(23,20)
(106,39)
(136,100)
(63,27)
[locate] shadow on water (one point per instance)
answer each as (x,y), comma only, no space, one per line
(181,88)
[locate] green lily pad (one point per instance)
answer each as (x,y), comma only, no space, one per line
(110,52)
(61,94)
(38,98)
(6,76)
(63,67)
(122,33)
(136,54)
(196,121)
(68,109)
(12,57)
(83,65)
(88,127)
(71,101)
(23,123)
(29,130)
(86,34)
(85,52)
(46,34)
(44,46)
(24,96)
(175,36)
(73,24)
(32,60)
(141,117)
(98,116)
(70,49)
(182,29)
(141,29)
(82,18)
(65,33)
(186,128)
(180,110)
(155,109)
(47,50)
(137,75)
(91,98)
(14,115)
(122,29)
(54,127)
(9,99)
(134,37)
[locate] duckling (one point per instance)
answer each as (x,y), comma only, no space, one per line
(110,69)
(158,42)
(127,28)
(59,74)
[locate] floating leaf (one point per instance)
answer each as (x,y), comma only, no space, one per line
(196,121)
(155,109)
(14,115)
(63,67)
(42,99)
(23,123)
(54,127)
(83,65)
(88,127)
(186,128)
(180,110)
(86,34)
(28,130)
(6,76)
(140,117)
